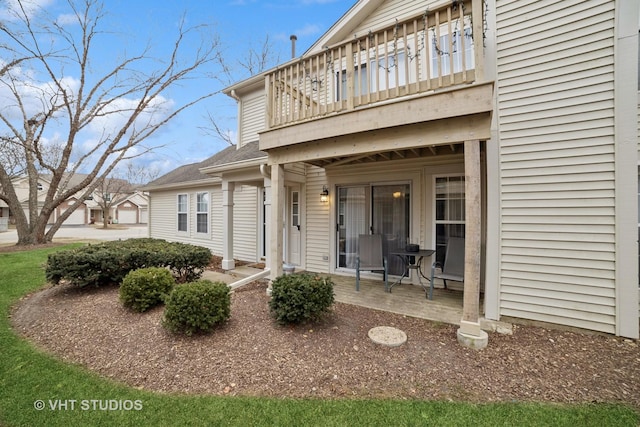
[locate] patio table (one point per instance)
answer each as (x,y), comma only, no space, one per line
(412,261)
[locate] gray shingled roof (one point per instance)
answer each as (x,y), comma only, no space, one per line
(191,172)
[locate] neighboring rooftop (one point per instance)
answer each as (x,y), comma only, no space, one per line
(191,172)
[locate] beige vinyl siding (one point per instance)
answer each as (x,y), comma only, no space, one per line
(245,223)
(253,118)
(317,220)
(556,115)
(391,10)
(163,218)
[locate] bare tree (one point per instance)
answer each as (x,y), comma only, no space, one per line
(53,81)
(109,192)
(253,62)
(121,184)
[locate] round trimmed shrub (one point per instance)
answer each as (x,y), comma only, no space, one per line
(146,287)
(297,298)
(197,307)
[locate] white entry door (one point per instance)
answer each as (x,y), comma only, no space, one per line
(294,225)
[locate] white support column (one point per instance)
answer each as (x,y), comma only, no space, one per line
(277,213)
(469,333)
(227,221)
(267,218)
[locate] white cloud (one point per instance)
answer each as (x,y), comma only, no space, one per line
(14,8)
(116,114)
(67,19)
(33,94)
(308,30)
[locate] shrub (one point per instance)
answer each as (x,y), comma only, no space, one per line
(197,307)
(298,298)
(108,262)
(146,287)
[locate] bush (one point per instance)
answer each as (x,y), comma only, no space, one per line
(107,263)
(146,287)
(298,298)
(197,307)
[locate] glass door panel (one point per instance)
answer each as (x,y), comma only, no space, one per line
(353,219)
(390,217)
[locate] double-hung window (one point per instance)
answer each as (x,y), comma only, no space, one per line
(450,215)
(202,212)
(183,204)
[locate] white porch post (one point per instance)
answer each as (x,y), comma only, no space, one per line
(469,333)
(276,223)
(227,220)
(267,219)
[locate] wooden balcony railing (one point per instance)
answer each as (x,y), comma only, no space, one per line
(439,49)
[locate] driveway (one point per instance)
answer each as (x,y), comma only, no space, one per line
(86,232)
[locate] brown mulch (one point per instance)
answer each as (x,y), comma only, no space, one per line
(252,355)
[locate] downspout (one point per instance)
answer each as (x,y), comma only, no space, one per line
(260,275)
(235,96)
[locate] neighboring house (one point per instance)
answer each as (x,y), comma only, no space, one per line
(132,205)
(512,124)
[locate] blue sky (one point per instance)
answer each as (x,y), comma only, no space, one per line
(240,25)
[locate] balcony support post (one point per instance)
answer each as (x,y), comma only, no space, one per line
(470,334)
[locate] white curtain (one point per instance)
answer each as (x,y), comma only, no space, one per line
(355,222)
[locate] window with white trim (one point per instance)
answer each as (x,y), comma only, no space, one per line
(450,216)
(202,212)
(183,205)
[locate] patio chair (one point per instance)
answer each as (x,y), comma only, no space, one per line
(453,268)
(370,258)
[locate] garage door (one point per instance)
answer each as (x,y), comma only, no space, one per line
(76,218)
(127,217)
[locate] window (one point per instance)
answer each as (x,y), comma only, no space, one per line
(360,84)
(382,73)
(202,212)
(182,212)
(450,206)
(295,208)
(385,68)
(441,50)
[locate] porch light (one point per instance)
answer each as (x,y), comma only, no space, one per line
(324,196)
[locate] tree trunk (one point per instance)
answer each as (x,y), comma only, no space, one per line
(105,218)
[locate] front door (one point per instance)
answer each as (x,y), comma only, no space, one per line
(294,225)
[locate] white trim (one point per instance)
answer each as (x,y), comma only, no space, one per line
(626,155)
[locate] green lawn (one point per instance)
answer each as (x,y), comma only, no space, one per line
(28,378)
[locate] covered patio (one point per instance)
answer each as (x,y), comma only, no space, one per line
(405,299)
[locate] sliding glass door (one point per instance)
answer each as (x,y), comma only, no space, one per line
(390,217)
(373,209)
(353,219)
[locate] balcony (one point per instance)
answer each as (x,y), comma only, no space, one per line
(435,53)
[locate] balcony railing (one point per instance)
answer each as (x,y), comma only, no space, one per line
(439,49)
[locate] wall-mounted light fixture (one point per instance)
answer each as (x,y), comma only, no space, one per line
(324,196)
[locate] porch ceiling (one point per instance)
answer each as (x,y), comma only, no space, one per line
(397,154)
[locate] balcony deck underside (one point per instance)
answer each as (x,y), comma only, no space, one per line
(430,124)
